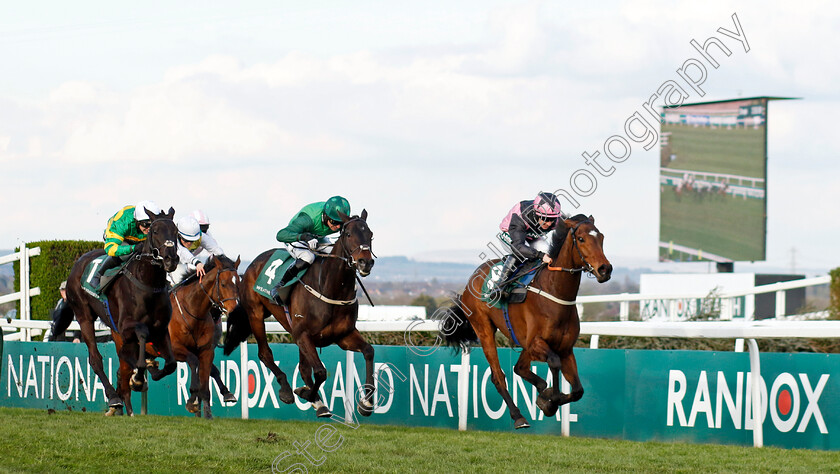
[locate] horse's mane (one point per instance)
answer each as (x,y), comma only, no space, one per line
(558,237)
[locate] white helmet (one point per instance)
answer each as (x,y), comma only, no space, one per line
(140,214)
(188,228)
(201,217)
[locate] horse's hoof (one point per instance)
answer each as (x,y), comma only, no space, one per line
(231,398)
(286,396)
(303,392)
(115,402)
(322,412)
(152,364)
(138,386)
(545,404)
(364,407)
(114,411)
(192,407)
(521,423)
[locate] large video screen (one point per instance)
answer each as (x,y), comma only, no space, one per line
(712,181)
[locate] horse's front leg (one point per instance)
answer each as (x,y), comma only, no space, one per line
(313,373)
(540,351)
(355,342)
(227,396)
(138,378)
(568,364)
(169,362)
(205,362)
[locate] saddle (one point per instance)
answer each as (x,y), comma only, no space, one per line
(517,284)
(106,280)
(272,271)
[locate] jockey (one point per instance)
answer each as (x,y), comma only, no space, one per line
(194,249)
(207,240)
(523,231)
(306,233)
(125,230)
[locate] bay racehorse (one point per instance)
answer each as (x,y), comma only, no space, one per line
(325,311)
(137,310)
(192,328)
(546,324)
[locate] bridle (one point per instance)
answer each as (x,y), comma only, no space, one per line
(154,256)
(587,267)
(347,255)
(219,302)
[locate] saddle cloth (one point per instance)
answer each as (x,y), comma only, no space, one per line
(273,270)
(518,291)
(90,269)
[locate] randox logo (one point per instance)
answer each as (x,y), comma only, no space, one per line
(793,401)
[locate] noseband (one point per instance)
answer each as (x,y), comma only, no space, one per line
(154,255)
(219,303)
(347,255)
(586,266)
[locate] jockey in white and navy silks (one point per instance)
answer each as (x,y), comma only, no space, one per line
(194,249)
(524,230)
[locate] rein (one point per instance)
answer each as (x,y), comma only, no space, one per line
(586,266)
(347,257)
(155,259)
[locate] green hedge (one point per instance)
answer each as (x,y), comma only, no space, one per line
(834,306)
(49,269)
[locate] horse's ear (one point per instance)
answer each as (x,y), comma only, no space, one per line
(591,219)
(568,223)
(152,215)
(171,212)
(236,263)
(364,215)
(344,217)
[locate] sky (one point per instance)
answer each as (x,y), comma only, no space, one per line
(434,116)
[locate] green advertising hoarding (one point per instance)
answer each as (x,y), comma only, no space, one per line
(691,396)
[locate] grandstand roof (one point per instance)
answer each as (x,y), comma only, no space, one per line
(733,100)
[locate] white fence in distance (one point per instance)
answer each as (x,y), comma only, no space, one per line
(25,293)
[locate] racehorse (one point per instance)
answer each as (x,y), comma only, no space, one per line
(546,324)
(192,328)
(137,310)
(325,310)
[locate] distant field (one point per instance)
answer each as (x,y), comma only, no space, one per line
(35,441)
(739,151)
(725,225)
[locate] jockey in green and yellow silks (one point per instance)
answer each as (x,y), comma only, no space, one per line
(126,229)
(307,233)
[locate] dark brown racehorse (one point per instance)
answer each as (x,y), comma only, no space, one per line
(325,311)
(138,310)
(546,324)
(191,328)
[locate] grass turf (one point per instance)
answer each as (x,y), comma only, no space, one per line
(37,441)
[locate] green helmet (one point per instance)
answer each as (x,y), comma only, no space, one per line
(335,205)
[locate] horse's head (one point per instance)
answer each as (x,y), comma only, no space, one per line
(163,234)
(588,246)
(355,241)
(225,291)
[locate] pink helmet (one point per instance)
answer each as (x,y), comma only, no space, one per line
(201,217)
(547,205)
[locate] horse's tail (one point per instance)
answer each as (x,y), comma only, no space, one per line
(62,321)
(455,328)
(238,328)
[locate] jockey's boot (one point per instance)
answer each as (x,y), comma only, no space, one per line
(500,293)
(107,264)
(288,276)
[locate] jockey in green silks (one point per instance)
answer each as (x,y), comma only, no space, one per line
(127,228)
(306,234)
